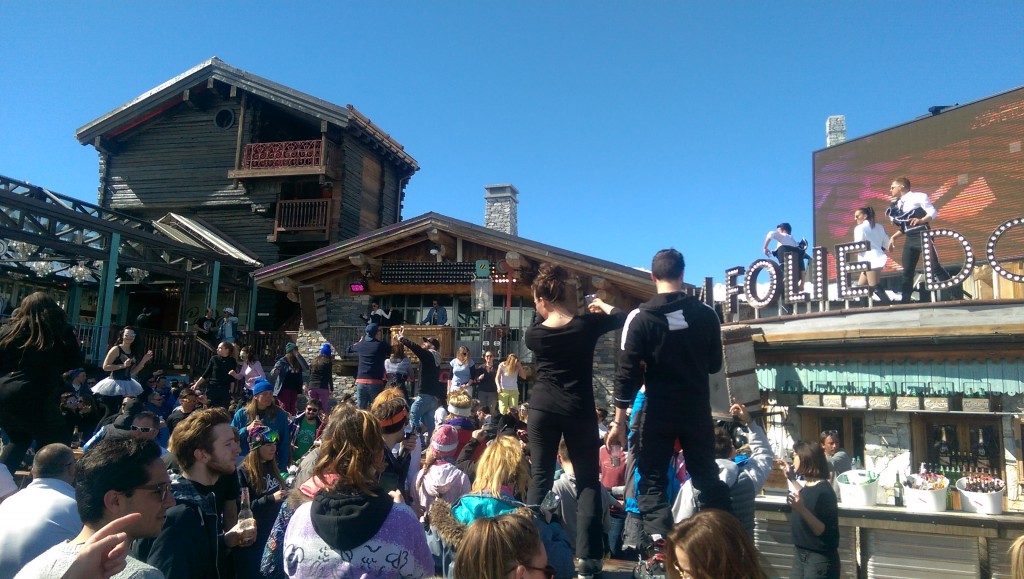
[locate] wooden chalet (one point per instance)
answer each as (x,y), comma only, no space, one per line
(222,152)
(407,265)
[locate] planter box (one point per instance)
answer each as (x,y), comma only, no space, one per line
(810,400)
(936,403)
(908,403)
(856,401)
(880,402)
(832,400)
(977,405)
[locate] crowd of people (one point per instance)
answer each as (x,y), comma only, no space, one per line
(230,476)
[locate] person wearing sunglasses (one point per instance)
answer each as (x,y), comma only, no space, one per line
(124,360)
(116,478)
(504,546)
(259,473)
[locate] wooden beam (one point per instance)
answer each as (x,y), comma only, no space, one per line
(233,92)
(186,97)
(212,86)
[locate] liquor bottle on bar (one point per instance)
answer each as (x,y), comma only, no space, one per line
(980,452)
(944,450)
(897,491)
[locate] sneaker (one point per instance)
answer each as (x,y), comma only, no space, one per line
(652,562)
(589,568)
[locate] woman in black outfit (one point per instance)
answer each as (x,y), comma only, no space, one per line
(814,522)
(37,346)
(218,376)
(562,402)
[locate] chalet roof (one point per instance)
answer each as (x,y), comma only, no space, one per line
(153,101)
(634,281)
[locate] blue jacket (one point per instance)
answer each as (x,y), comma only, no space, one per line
(442,317)
(278,424)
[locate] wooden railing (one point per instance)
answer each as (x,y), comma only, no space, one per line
(302,215)
(184,351)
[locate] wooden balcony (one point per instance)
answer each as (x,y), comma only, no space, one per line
(287,158)
(310,217)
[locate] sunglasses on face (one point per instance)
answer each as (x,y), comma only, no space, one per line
(129,335)
(311,411)
(159,488)
(143,429)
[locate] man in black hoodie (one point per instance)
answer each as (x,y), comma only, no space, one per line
(671,344)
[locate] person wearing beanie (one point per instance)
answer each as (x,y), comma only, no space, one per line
(439,477)
(321,377)
(370,373)
(259,473)
(305,428)
(289,374)
(263,409)
(460,413)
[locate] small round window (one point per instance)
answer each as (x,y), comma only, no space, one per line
(225,118)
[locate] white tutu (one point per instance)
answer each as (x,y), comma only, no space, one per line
(111,387)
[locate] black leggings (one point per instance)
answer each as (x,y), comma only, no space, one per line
(545,430)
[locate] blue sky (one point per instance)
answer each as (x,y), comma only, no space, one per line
(626,126)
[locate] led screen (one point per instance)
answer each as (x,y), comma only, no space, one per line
(968,159)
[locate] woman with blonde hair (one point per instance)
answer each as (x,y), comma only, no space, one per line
(711,543)
(263,408)
(360,529)
(509,373)
(505,546)
(502,478)
(462,370)
(1017,558)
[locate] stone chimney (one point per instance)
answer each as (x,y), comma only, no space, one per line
(501,212)
(835,130)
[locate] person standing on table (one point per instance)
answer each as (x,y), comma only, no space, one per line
(878,243)
(486,376)
(912,211)
(672,344)
(37,345)
(562,402)
(370,373)
(422,412)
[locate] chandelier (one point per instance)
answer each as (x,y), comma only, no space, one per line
(138,274)
(41,268)
(22,249)
(80,272)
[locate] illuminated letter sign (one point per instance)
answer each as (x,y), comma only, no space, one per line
(991,253)
(750,283)
(844,267)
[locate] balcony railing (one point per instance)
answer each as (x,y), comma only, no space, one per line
(303,215)
(286,158)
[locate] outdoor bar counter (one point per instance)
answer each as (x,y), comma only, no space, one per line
(893,542)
